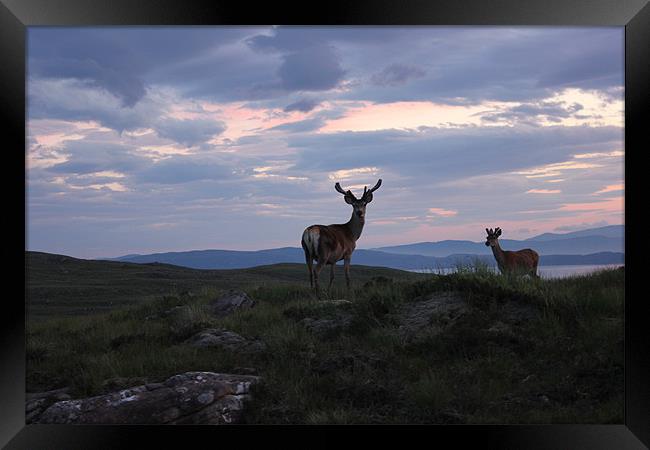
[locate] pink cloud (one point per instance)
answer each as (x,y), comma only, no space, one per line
(611,188)
(543,191)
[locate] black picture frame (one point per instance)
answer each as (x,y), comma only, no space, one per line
(634,15)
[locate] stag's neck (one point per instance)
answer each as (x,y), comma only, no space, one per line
(355,224)
(498,254)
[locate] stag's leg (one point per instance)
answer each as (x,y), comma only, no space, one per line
(329,288)
(317,269)
(346,266)
(310,268)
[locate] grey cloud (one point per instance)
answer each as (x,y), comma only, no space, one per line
(312,69)
(397,74)
(189,131)
(75,100)
(86,157)
(301,126)
(113,59)
(303,105)
(534,111)
(184,169)
(444,154)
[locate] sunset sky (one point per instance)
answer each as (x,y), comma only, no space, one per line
(155,139)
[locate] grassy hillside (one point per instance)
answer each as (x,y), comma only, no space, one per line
(62,285)
(523,351)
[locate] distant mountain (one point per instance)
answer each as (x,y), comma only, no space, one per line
(230,259)
(583,242)
(611,231)
(579,247)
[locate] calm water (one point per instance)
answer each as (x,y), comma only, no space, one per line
(544,271)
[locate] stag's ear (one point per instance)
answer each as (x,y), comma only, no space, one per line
(498,232)
(368,197)
(348,199)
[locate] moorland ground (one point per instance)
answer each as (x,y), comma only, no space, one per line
(502,350)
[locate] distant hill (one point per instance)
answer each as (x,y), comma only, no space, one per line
(572,246)
(62,285)
(611,231)
(585,242)
(230,259)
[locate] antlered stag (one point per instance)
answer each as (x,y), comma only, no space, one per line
(328,244)
(522,262)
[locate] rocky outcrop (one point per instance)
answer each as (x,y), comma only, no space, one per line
(323,326)
(436,313)
(222,306)
(188,398)
(213,337)
(433,313)
(38,402)
(230,302)
(323,317)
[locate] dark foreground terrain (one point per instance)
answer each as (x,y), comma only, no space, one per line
(470,347)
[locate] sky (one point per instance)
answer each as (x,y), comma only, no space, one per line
(157,139)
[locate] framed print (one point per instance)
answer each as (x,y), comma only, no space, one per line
(419,216)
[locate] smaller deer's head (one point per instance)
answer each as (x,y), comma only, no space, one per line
(358,204)
(492,236)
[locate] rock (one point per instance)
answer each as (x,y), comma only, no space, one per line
(188,398)
(115,384)
(327,325)
(38,402)
(435,312)
(322,317)
(228,340)
(245,370)
(230,302)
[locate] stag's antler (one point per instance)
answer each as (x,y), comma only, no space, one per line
(338,187)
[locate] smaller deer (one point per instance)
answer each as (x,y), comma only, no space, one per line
(522,262)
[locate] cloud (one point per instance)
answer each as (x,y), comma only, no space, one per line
(543,191)
(73,100)
(397,74)
(443,154)
(190,132)
(611,188)
(85,157)
(184,169)
(303,105)
(443,212)
(312,69)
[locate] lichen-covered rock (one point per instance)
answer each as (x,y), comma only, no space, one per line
(38,402)
(228,340)
(188,398)
(230,302)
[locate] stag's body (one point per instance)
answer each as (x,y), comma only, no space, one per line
(523,262)
(328,244)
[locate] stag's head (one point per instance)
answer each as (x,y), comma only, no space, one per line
(358,204)
(492,236)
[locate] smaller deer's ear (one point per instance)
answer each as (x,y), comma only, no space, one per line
(349,200)
(498,232)
(368,197)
